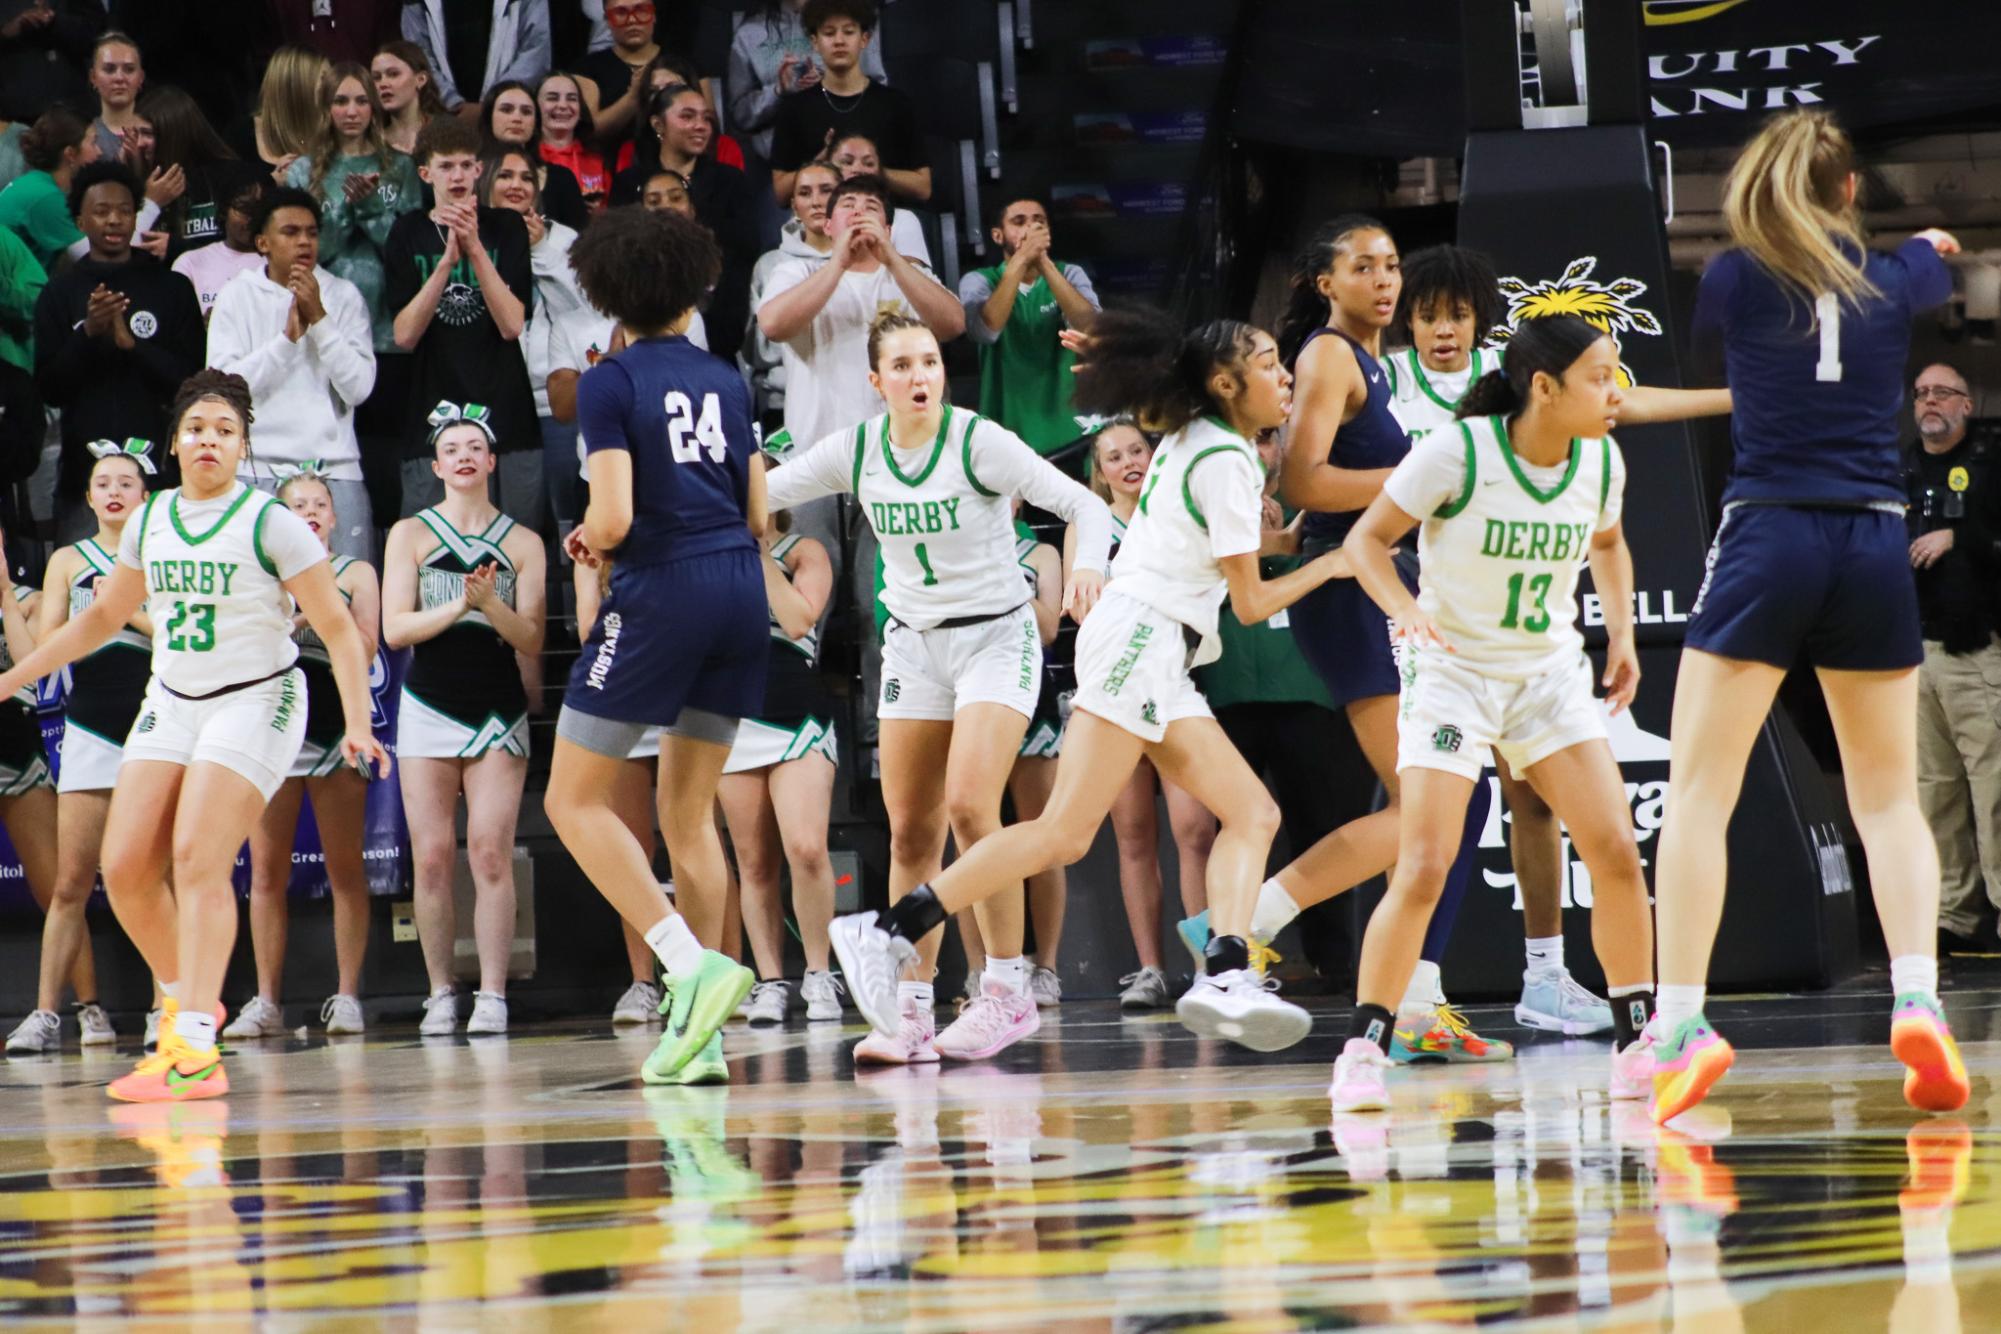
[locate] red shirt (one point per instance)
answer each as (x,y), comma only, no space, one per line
(593,181)
(728,152)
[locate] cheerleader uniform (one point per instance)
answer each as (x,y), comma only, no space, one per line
(24,765)
(105,691)
(326,724)
(463,696)
(1045,727)
(797,719)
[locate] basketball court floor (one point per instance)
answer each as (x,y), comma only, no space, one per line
(1112,1174)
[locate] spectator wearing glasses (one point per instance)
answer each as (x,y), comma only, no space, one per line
(1954,484)
(846,101)
(613,80)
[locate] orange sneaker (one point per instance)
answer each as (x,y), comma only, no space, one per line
(1937,1079)
(174,1073)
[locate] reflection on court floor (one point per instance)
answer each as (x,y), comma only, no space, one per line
(1112,1175)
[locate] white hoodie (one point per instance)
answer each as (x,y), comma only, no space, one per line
(305,392)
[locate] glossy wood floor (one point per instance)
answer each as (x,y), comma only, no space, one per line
(1110,1174)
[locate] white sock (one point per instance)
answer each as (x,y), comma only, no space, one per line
(171,990)
(197,1030)
(1424,989)
(1010,973)
(671,940)
(920,992)
(1274,912)
(1545,954)
(1914,972)
(1675,1003)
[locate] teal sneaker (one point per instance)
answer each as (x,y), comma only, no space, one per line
(706,1066)
(697,1004)
(1194,933)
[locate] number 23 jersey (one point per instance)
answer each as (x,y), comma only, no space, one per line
(214,574)
(1500,541)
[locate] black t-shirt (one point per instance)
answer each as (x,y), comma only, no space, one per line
(461,355)
(884,114)
(1958,489)
(612,75)
(724,203)
(195,219)
(468,32)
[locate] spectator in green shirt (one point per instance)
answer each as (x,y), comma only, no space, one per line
(35,206)
(21,282)
(1015,312)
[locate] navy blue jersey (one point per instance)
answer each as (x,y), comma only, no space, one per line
(1818,410)
(684,416)
(1370,439)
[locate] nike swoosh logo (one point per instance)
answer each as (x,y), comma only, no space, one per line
(177,1080)
(681,1029)
(1375,379)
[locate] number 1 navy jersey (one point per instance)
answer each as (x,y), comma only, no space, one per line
(684,416)
(1818,388)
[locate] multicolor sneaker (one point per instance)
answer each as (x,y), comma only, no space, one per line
(992,1022)
(185,1138)
(174,1073)
(1633,1069)
(1556,1002)
(707,1066)
(1919,1036)
(1687,1063)
(1448,1040)
(1358,1078)
(912,1043)
(698,1003)
(1940,1154)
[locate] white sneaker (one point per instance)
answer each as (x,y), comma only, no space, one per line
(1045,986)
(822,992)
(441,1014)
(1144,990)
(991,1022)
(1235,1005)
(342,1014)
(872,960)
(40,1032)
(95,1025)
(639,1005)
(768,1002)
(1556,1002)
(259,1019)
(489,1014)
(152,1038)
(911,1044)
(1358,1078)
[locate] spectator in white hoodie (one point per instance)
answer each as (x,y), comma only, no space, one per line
(300,336)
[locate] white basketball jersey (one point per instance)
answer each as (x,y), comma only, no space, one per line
(947,540)
(1166,558)
(1500,554)
(220,615)
(1424,400)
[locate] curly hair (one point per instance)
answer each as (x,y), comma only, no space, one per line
(645,269)
(1445,275)
(1141,363)
(221,386)
(101,172)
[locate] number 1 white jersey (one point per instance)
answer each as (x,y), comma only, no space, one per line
(1500,542)
(944,514)
(214,574)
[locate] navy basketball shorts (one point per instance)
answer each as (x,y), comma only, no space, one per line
(1836,583)
(687,634)
(1345,639)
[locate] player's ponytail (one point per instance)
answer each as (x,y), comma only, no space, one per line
(1138,363)
(1306,308)
(1787,206)
(1550,345)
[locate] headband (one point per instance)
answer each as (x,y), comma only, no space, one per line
(139,451)
(448,414)
(313,470)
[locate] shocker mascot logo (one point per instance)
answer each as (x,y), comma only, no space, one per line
(1610,306)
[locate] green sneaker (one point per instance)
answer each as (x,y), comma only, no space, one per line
(698,1003)
(705,1067)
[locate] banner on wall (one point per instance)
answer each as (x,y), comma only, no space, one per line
(384,840)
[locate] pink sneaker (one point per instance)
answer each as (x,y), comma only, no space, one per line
(1633,1069)
(910,1046)
(1358,1078)
(992,1022)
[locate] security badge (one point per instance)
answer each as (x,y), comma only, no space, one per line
(1956,482)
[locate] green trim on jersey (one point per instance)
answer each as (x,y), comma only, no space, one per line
(1514,464)
(1188,475)
(257,540)
(1424,382)
(1465,492)
(1604,474)
(966,455)
(930,464)
(139,542)
(101,562)
(861,452)
(174,514)
(467,548)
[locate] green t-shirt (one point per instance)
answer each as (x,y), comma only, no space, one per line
(1261,664)
(1025,372)
(352,235)
(35,209)
(21,283)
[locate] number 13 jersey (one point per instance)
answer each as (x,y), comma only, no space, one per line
(1500,541)
(214,573)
